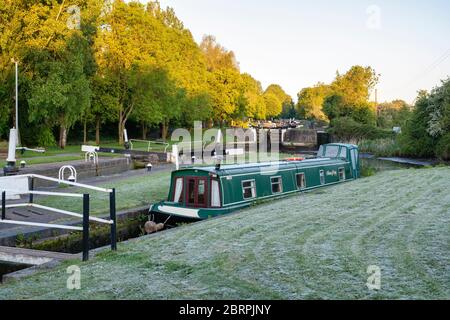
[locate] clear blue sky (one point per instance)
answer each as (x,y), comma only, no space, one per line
(297,43)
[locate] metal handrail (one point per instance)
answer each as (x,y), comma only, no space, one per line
(85,215)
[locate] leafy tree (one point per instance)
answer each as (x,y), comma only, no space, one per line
(391,114)
(184,62)
(52,56)
(416,141)
(252,103)
(355,85)
(104,104)
(225,89)
(427,132)
(439,109)
(287,105)
(311,101)
(197,107)
(60,91)
(273,105)
(151,38)
(158,99)
(120,45)
(278,91)
(226,86)
(217,57)
(289,111)
(335,106)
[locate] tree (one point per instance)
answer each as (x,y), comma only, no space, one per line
(335,106)
(355,85)
(278,91)
(393,114)
(311,101)
(104,104)
(289,112)
(439,110)
(252,103)
(273,105)
(148,37)
(415,140)
(120,46)
(427,133)
(54,59)
(60,90)
(184,62)
(287,105)
(225,84)
(217,57)
(158,99)
(225,89)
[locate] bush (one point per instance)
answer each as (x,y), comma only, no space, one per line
(367,171)
(46,138)
(388,147)
(346,128)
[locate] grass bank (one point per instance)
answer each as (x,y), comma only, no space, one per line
(309,246)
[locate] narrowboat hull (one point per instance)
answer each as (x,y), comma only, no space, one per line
(172,214)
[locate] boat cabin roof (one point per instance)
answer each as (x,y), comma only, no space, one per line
(249,168)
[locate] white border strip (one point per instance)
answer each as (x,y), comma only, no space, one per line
(75,184)
(34,224)
(60,194)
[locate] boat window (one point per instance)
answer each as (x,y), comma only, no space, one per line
(320,152)
(178,194)
(331,151)
(249,189)
(277,186)
(201,191)
(322,177)
(343,153)
(215,193)
(191,191)
(301,182)
(341,174)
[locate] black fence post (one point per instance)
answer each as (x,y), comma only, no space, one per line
(3,205)
(85,227)
(31,184)
(112,215)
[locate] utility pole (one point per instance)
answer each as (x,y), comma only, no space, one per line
(17,100)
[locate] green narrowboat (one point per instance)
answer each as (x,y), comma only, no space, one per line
(198,193)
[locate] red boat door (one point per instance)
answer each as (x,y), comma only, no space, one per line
(196,192)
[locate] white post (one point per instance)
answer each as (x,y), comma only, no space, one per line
(125,135)
(283,133)
(12,146)
(254,135)
(175,154)
(219,136)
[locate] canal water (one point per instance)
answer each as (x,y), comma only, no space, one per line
(371,164)
(9,267)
